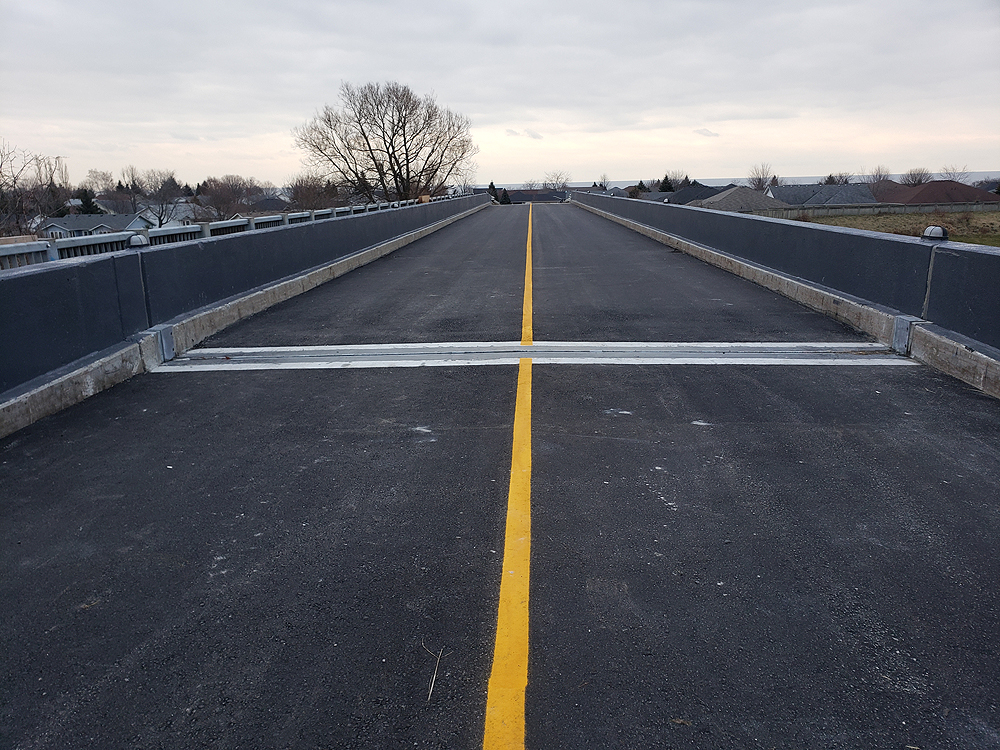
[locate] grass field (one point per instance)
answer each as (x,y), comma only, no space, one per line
(979,228)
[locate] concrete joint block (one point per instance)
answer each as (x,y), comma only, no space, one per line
(164,335)
(902,331)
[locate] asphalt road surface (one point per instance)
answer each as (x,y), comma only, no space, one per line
(723,554)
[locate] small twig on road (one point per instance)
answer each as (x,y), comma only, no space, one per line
(437,663)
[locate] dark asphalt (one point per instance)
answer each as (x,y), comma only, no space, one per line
(584,290)
(463,283)
(721,556)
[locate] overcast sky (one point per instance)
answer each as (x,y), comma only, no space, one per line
(630,89)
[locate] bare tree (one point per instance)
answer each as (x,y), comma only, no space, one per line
(228,195)
(603,181)
(310,191)
(266,190)
(877,179)
(676,177)
(875,174)
(386,142)
(761,177)
(49,187)
(531,184)
(838,178)
(952,172)
(98,182)
(556,180)
(133,186)
(916,176)
(16,168)
(162,194)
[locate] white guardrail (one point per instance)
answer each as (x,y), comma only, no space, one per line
(23,254)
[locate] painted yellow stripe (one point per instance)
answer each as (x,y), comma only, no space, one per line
(526,332)
(509,678)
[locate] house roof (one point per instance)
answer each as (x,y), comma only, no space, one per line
(935,191)
(269,205)
(90,222)
(822,195)
(739,199)
(693,193)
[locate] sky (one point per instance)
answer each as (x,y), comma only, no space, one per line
(627,89)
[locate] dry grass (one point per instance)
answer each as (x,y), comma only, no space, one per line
(980,228)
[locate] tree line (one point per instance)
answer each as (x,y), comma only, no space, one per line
(762,176)
(34,186)
(382,143)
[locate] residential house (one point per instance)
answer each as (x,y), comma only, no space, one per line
(740,200)
(85,225)
(694,192)
(821,195)
(935,191)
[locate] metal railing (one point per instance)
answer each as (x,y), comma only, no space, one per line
(23,254)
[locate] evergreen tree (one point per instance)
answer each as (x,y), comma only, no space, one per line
(641,187)
(87,204)
(685,183)
(492,189)
(504,198)
(666,186)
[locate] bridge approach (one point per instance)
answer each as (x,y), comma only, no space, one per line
(535,480)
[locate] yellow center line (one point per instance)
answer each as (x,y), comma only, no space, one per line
(509,678)
(526,332)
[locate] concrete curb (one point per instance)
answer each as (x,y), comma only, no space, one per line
(936,349)
(904,333)
(147,350)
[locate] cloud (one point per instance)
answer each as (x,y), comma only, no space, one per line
(807,104)
(527,131)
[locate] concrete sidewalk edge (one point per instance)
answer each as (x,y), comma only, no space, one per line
(910,336)
(148,349)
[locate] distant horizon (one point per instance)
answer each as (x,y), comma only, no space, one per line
(710,88)
(718,181)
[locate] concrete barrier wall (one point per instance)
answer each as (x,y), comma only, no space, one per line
(55,313)
(185,276)
(952,284)
(964,291)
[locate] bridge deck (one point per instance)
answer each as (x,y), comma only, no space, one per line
(750,526)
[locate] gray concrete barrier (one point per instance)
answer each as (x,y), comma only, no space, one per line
(963,293)
(55,314)
(874,266)
(935,300)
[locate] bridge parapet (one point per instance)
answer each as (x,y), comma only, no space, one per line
(58,317)
(942,293)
